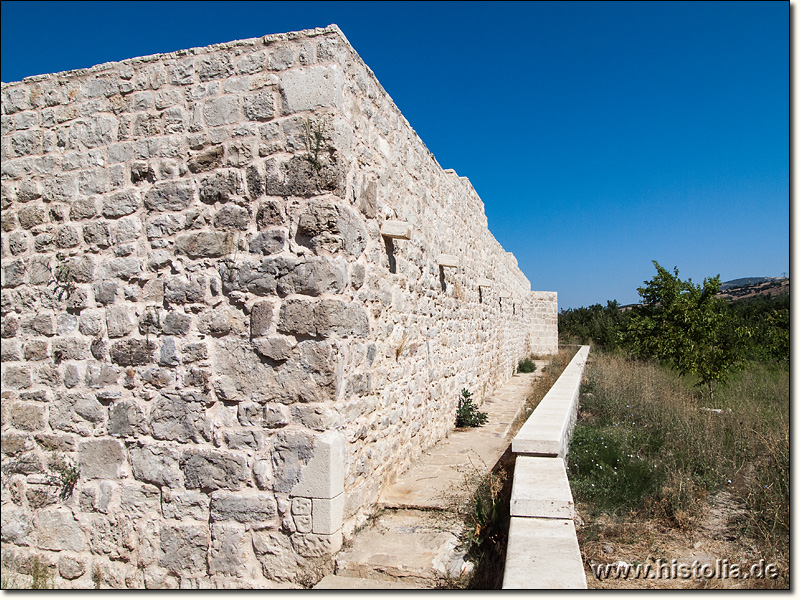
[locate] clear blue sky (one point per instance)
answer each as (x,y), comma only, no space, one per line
(600,136)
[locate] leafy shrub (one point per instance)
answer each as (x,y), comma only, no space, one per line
(467,414)
(526,365)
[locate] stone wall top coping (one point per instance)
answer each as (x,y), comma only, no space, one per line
(106,66)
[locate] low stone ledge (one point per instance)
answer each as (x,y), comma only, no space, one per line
(541,489)
(547,430)
(543,554)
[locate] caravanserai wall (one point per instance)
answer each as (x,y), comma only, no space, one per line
(239,295)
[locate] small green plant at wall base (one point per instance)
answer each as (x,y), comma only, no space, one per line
(526,365)
(467,414)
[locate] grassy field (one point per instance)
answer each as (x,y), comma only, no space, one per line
(649,447)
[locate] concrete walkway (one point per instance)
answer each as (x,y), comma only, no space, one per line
(415,542)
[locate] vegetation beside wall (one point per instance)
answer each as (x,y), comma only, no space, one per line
(651,444)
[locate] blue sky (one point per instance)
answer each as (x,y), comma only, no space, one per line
(600,136)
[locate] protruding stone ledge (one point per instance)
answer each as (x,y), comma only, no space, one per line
(398,230)
(487,283)
(448,260)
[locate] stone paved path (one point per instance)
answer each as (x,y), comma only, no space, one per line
(414,543)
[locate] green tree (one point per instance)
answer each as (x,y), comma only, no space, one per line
(688,327)
(598,325)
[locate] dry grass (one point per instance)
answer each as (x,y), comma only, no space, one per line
(655,454)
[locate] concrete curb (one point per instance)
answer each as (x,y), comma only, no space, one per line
(543,551)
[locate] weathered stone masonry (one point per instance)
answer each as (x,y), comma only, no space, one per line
(240,295)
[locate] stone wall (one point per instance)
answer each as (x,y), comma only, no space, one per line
(239,296)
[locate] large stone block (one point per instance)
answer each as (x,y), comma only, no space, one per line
(28,416)
(322,476)
(276,347)
(76,413)
(133,352)
(121,204)
(327,515)
(15,525)
(323,318)
(224,110)
(304,175)
(182,290)
(257,278)
(157,465)
(231,216)
(260,318)
(268,242)
(328,226)
(310,374)
(221,187)
(230,550)
(91,132)
(312,87)
(213,470)
(126,419)
(101,459)
(184,548)
(314,277)
(119,320)
(188,505)
(57,529)
(139,499)
(170,195)
(205,244)
(278,559)
(180,416)
(206,160)
(70,567)
(259,107)
(244,507)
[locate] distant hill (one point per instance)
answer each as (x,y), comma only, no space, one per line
(743,281)
(748,287)
(745,287)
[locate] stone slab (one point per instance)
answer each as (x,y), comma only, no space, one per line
(541,489)
(448,260)
(396,229)
(339,582)
(409,545)
(543,554)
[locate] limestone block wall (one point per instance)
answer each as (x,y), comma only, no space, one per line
(238,296)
